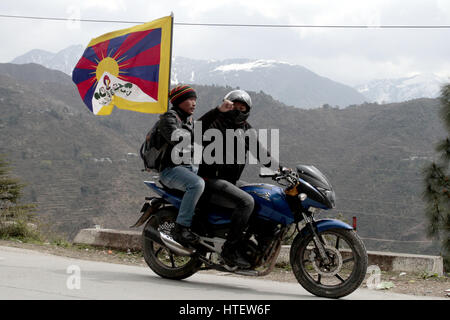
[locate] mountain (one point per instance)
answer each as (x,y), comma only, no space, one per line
(292,84)
(425,85)
(83,170)
(64,60)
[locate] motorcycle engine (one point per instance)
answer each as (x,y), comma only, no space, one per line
(251,252)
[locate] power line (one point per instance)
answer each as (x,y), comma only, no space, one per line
(239,25)
(318,26)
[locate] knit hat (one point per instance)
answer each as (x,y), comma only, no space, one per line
(180,93)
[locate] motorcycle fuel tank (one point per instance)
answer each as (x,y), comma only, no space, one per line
(270,202)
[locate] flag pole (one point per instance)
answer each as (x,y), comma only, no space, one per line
(170,61)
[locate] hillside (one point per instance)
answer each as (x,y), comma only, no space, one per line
(83,170)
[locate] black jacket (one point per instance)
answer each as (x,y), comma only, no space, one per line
(222,121)
(170,121)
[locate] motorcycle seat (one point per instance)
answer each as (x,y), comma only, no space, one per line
(174,192)
(206,198)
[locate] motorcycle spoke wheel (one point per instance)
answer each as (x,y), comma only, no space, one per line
(167,258)
(338,251)
(344,271)
(160,259)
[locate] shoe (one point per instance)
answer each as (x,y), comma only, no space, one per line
(233,257)
(183,235)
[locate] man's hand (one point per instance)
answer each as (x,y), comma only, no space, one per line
(285,170)
(227,105)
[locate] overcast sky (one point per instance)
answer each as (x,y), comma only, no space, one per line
(351,56)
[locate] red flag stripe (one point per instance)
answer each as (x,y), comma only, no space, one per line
(84,86)
(101,50)
(129,42)
(146,58)
(86,64)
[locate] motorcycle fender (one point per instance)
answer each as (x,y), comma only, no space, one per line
(148,209)
(326,224)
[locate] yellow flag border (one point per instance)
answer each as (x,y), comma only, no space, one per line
(161,106)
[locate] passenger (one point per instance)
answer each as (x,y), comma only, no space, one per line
(184,176)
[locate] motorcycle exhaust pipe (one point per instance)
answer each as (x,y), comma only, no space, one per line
(176,247)
(153,234)
(166,241)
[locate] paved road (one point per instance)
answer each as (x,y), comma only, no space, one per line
(26,274)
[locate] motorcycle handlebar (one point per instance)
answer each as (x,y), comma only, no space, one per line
(277,175)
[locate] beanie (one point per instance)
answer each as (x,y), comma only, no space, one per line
(180,93)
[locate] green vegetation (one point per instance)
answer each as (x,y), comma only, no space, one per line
(16,219)
(437,186)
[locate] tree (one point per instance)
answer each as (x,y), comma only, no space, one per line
(14,215)
(10,189)
(437,186)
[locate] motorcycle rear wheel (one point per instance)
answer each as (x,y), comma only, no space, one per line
(160,259)
(346,270)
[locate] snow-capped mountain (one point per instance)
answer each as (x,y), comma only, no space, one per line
(64,60)
(425,85)
(291,84)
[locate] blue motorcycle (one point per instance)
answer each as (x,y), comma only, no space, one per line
(327,256)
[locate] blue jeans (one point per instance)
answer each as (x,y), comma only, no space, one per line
(184,178)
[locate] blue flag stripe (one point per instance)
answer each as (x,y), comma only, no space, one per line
(149,73)
(88,97)
(80,75)
(115,43)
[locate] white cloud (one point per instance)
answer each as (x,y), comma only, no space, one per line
(345,55)
(102,5)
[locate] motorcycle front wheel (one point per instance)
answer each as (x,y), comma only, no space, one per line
(160,259)
(344,271)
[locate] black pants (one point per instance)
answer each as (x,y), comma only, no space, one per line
(226,194)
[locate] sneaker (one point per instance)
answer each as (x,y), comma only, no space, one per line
(183,235)
(233,257)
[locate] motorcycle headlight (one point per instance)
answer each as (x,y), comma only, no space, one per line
(329,194)
(302,196)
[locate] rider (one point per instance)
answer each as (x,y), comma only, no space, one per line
(181,176)
(221,178)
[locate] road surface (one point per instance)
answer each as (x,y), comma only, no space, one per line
(27,274)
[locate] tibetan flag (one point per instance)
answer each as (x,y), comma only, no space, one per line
(128,68)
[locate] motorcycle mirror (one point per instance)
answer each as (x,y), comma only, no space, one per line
(266,172)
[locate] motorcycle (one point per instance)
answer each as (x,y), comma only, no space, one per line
(327,257)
